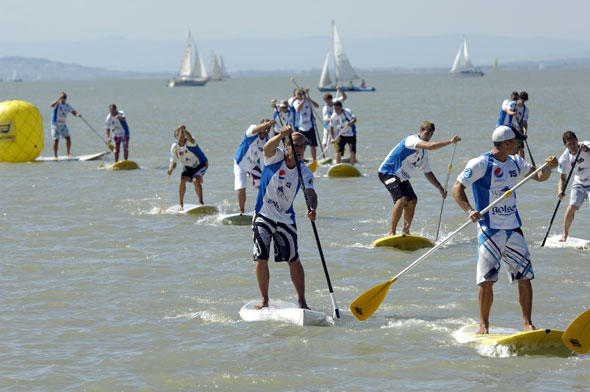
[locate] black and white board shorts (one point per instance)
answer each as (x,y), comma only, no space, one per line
(283,234)
(397,188)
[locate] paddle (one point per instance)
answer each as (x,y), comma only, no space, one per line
(315,232)
(559,200)
(313,116)
(165,191)
(446,186)
(367,303)
(577,334)
(525,141)
(110,146)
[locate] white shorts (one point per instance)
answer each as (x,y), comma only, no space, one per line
(59,130)
(506,245)
(241,180)
(579,194)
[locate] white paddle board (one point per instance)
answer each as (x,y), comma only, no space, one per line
(193,209)
(65,158)
(572,242)
(123,165)
(284,312)
(404,242)
(343,170)
(538,340)
(237,219)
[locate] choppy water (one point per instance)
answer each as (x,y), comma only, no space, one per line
(98,292)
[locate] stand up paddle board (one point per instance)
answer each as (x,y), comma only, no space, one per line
(343,170)
(123,165)
(283,312)
(571,242)
(237,219)
(538,340)
(404,242)
(65,158)
(193,209)
(325,161)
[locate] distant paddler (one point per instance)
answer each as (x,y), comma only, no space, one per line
(186,150)
(581,186)
(343,125)
(247,159)
(58,122)
(116,126)
(328,111)
(398,166)
(283,115)
(500,237)
(274,219)
(304,105)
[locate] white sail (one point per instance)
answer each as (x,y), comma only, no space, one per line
(215,67)
(186,64)
(462,63)
(222,66)
(325,80)
(203,73)
(342,68)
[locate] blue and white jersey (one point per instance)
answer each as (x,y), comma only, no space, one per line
(522,114)
(60,112)
(304,120)
(504,118)
(189,155)
(490,179)
(338,122)
(117,127)
(248,154)
(281,119)
(278,188)
(327,112)
(582,169)
(405,158)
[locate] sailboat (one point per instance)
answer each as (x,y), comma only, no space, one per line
(192,69)
(15,77)
(462,65)
(344,74)
(224,73)
(215,72)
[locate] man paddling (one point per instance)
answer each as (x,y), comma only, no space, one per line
(116,126)
(343,131)
(305,121)
(581,185)
(247,159)
(398,166)
(499,234)
(328,111)
(274,219)
(187,151)
(58,122)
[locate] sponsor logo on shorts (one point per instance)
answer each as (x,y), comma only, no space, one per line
(467,173)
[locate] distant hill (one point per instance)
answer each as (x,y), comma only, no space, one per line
(33,69)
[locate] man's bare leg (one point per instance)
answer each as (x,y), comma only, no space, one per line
(263,277)
(525,298)
(181,192)
(396,213)
(68,146)
(486,298)
(55,144)
(242,199)
(198,188)
(298,279)
(352,158)
(409,215)
(568,219)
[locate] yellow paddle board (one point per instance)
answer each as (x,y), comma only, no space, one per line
(538,340)
(404,242)
(123,165)
(237,219)
(193,209)
(343,170)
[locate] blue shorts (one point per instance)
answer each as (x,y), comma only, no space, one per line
(59,130)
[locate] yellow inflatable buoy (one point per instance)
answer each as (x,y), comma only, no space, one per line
(21,131)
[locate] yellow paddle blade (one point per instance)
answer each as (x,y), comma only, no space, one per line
(577,334)
(313,166)
(367,303)
(111,147)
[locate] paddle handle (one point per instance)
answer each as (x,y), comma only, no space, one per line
(315,232)
(506,194)
(446,186)
(559,201)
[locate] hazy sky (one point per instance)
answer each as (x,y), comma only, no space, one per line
(70,20)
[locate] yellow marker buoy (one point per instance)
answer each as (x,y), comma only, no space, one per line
(21,131)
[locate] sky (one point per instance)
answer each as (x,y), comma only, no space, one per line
(72,20)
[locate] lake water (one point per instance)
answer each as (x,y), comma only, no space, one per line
(98,292)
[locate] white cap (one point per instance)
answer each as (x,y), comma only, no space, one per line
(504,132)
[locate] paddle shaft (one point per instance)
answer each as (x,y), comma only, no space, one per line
(446,186)
(559,200)
(525,142)
(313,116)
(482,212)
(95,132)
(315,232)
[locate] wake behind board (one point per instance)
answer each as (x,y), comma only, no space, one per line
(65,158)
(123,165)
(572,242)
(237,219)
(540,340)
(343,170)
(404,242)
(283,312)
(193,209)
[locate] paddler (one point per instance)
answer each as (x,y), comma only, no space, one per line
(187,151)
(581,186)
(247,158)
(398,166)
(327,112)
(116,126)
(305,121)
(343,126)
(499,234)
(58,122)
(274,219)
